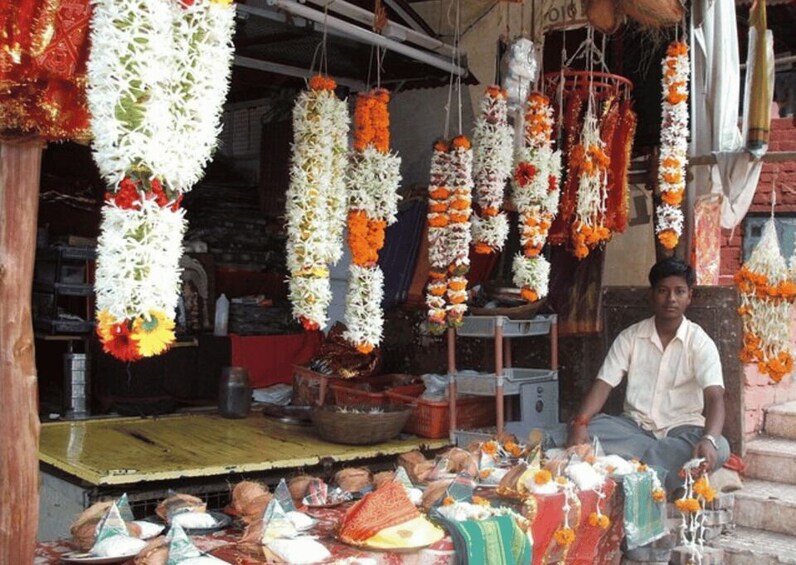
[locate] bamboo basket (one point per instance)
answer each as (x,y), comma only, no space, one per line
(359,428)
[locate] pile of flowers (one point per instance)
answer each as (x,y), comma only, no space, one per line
(439,193)
(535,193)
(158,75)
(767,292)
(674,144)
(492,161)
(373,180)
(589,161)
(316,199)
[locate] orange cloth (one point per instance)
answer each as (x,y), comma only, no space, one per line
(383,508)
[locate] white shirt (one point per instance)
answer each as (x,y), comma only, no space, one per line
(664,386)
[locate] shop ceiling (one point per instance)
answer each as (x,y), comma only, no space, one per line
(278,43)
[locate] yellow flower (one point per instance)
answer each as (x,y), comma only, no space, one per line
(104,322)
(154,335)
(702,488)
(685,505)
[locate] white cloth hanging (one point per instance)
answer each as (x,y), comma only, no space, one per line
(715,93)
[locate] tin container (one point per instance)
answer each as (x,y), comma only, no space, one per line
(234,392)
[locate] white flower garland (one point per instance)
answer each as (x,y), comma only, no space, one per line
(158,75)
(363,313)
(535,194)
(766,297)
(588,229)
(674,144)
(316,189)
(492,162)
(138,251)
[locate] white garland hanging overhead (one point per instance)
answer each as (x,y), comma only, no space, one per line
(158,74)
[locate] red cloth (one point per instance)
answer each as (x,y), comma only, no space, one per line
(270,358)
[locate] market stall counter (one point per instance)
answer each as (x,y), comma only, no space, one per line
(83,461)
(592,544)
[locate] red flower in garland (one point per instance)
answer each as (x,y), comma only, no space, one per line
(127,196)
(524,173)
(160,194)
(121,344)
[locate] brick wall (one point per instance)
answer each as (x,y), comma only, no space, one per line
(759,392)
(783,138)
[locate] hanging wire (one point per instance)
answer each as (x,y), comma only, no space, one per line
(454,55)
(458,59)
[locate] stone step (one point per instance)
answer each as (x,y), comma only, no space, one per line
(771,459)
(766,505)
(748,546)
(781,420)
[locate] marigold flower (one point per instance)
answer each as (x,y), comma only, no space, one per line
(529,294)
(542,477)
(564,536)
(668,239)
(320,82)
(687,505)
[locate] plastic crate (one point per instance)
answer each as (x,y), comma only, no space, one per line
(484,326)
(431,418)
(311,388)
(371,391)
(485,384)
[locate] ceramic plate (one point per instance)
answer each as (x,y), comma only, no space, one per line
(80,557)
(222,521)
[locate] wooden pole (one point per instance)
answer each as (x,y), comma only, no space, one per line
(19,421)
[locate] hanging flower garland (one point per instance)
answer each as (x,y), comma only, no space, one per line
(492,160)
(459,229)
(536,194)
(317,187)
(148,63)
(590,162)
(674,144)
(439,195)
(766,297)
(373,180)
(697,493)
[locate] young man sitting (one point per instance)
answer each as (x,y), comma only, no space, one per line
(673,373)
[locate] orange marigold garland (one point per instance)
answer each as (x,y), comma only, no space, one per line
(492,160)
(459,229)
(766,297)
(373,180)
(589,161)
(674,145)
(536,194)
(439,196)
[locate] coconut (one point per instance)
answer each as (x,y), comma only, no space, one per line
(509,484)
(353,479)
(603,15)
(156,552)
(382,478)
(299,485)
(417,467)
(179,503)
(654,13)
(434,492)
(84,528)
(244,493)
(255,508)
(460,461)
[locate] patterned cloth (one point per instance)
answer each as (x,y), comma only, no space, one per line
(494,541)
(645,519)
(378,510)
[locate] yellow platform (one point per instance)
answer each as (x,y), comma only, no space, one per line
(122,451)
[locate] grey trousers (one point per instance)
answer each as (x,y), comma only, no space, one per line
(622,436)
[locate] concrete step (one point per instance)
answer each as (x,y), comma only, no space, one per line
(781,420)
(771,459)
(766,505)
(748,546)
